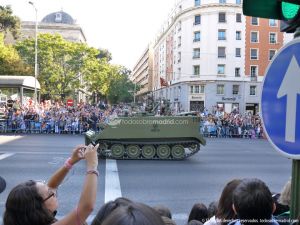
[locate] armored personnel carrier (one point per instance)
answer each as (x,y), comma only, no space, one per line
(148,137)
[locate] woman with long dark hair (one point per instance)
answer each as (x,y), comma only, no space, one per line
(35,203)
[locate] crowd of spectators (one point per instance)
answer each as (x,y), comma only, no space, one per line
(60,118)
(55,118)
(246,201)
(242,201)
(227,125)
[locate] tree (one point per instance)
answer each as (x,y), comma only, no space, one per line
(60,63)
(120,87)
(10,61)
(9,22)
(104,53)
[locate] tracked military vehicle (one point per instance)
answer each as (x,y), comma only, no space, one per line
(148,137)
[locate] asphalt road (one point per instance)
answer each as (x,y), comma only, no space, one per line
(175,184)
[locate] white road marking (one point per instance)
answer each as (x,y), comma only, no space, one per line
(5,155)
(40,153)
(4,139)
(112,182)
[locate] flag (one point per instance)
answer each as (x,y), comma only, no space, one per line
(163,82)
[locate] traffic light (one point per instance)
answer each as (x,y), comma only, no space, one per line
(288,11)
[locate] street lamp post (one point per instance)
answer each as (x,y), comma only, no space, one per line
(35,54)
(134,93)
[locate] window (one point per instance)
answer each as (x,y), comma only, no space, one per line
(58,17)
(178,73)
(221,52)
(238,35)
(253,53)
(196,36)
(238,52)
(221,34)
(196,70)
(179,57)
(179,41)
(222,1)
(197,89)
(202,89)
(220,89)
(252,90)
(238,17)
(254,20)
(272,23)
(196,53)
(254,36)
(271,54)
(221,69)
(222,17)
(235,89)
(197,2)
(253,71)
(179,26)
(238,2)
(191,89)
(197,20)
(237,72)
(272,38)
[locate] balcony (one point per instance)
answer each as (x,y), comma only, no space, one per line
(253,78)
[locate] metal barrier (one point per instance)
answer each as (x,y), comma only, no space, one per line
(44,126)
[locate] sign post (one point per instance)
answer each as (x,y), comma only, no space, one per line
(70,102)
(280,111)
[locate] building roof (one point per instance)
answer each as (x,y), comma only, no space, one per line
(28,81)
(58,17)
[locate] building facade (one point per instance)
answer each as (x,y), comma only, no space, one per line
(142,74)
(58,23)
(213,57)
(55,23)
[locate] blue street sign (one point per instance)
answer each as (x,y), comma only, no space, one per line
(280,100)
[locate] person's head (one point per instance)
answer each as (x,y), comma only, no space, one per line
(224,210)
(2,184)
(212,208)
(285,195)
(252,201)
(163,211)
(30,203)
(108,208)
(198,212)
(134,214)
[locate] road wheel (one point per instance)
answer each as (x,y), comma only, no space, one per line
(178,152)
(133,151)
(101,149)
(148,151)
(193,147)
(163,151)
(117,151)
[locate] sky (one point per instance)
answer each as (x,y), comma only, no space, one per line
(124,27)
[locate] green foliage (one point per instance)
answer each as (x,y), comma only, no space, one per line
(10,61)
(120,87)
(60,62)
(9,22)
(104,53)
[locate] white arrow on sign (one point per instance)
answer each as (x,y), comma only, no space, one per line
(290,87)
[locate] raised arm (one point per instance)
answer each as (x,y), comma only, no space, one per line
(56,179)
(88,195)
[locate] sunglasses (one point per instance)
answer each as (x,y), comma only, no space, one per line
(52,193)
